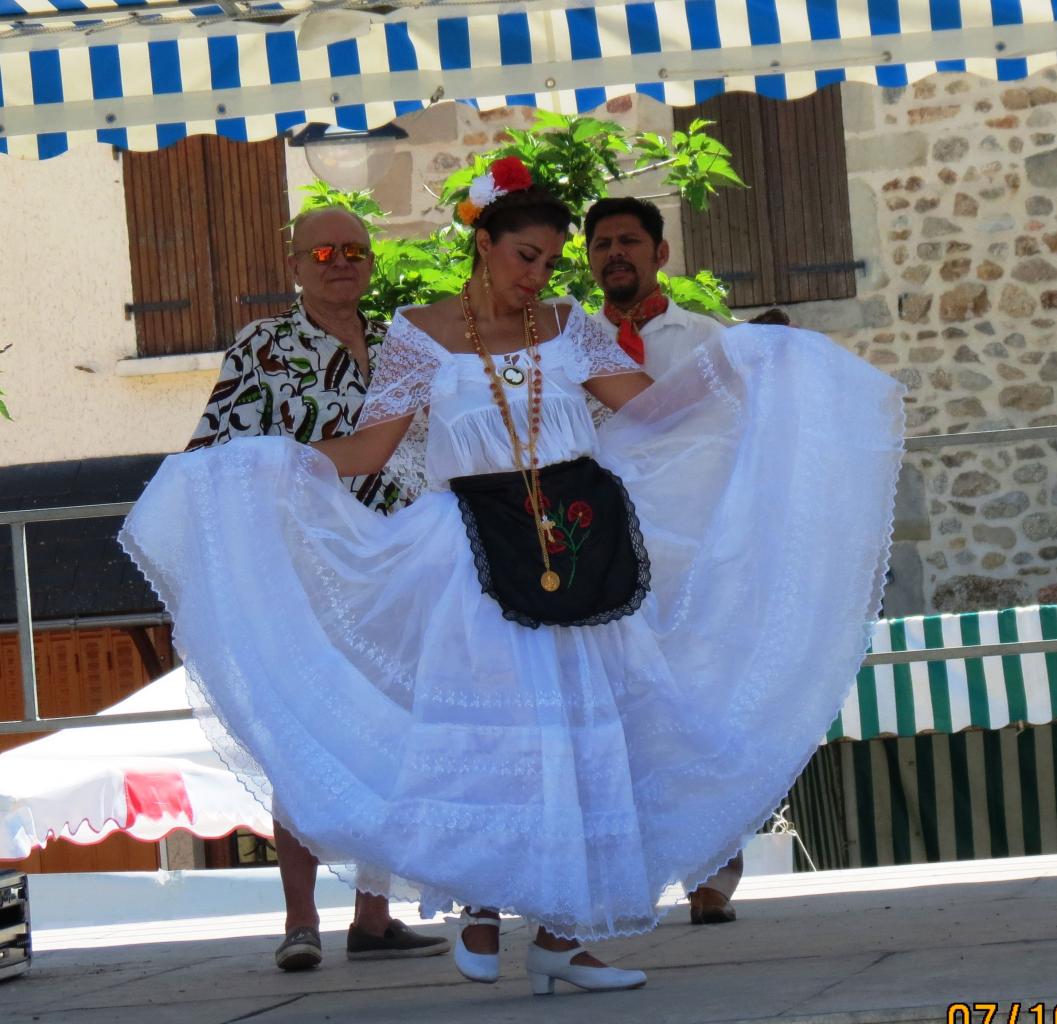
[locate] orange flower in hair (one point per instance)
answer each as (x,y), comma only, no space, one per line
(468,212)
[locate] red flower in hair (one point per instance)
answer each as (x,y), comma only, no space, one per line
(511,174)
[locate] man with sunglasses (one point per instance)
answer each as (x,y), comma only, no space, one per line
(303,374)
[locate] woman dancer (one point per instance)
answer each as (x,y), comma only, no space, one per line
(584,664)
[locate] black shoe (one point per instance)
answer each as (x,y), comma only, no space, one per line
(397,941)
(300,950)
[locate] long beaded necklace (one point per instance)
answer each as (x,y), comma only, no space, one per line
(549,581)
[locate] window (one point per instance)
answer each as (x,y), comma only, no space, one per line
(787,238)
(205,241)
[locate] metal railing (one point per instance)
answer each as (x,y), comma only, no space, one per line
(33,723)
(970,437)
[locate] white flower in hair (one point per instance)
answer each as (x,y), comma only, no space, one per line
(506,175)
(483,190)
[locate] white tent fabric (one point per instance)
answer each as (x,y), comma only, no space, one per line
(142,779)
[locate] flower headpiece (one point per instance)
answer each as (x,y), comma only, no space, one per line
(504,176)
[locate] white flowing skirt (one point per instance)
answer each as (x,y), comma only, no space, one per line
(348,668)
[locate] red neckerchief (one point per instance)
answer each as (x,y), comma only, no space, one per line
(628,322)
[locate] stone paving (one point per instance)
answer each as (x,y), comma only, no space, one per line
(891,945)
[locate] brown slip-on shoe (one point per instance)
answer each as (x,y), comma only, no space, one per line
(396,942)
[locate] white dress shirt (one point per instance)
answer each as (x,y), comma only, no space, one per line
(670,336)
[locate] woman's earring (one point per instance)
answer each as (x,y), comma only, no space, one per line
(487,279)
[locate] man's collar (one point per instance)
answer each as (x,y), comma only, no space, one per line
(309,328)
(673,316)
(306,327)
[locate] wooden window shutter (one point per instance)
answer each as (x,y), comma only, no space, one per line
(788,237)
(168,232)
(11,704)
(246,184)
(733,238)
(127,673)
(96,672)
(10,687)
(10,677)
(807,185)
(59,688)
(79,672)
(205,221)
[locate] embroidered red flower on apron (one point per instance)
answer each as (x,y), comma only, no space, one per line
(580,513)
(569,531)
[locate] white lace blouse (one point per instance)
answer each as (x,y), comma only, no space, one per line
(466,435)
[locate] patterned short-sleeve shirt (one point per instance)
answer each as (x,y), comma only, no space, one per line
(284,376)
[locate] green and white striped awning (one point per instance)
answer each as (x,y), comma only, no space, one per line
(962,693)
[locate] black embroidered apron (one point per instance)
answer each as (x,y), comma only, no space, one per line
(596,547)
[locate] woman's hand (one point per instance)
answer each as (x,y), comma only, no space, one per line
(618,388)
(366,450)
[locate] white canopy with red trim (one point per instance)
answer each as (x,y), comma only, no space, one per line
(144,780)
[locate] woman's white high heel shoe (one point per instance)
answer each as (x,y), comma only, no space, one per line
(545,967)
(482,967)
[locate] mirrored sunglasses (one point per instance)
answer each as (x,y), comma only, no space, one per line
(353,252)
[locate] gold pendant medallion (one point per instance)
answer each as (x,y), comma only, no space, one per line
(550,581)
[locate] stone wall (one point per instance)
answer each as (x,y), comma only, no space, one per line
(953,182)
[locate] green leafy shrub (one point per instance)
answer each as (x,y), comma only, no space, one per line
(577,158)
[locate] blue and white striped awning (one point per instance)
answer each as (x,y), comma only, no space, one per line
(141,74)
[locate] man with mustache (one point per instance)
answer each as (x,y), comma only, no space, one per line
(303,374)
(626,249)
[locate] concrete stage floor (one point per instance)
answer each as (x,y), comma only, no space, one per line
(869,946)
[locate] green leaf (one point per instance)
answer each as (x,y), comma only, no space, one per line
(548,119)
(703,293)
(696,194)
(713,146)
(725,171)
(460,179)
(591,129)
